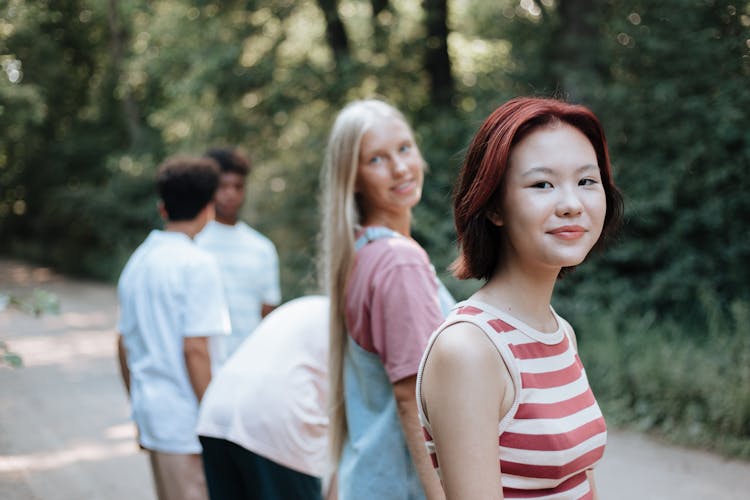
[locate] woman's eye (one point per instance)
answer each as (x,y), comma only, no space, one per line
(542,185)
(376,159)
(405,148)
(587,182)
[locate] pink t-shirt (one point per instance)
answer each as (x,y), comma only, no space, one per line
(392,304)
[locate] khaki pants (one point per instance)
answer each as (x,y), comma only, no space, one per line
(178,476)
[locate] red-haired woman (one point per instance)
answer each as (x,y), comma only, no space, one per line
(534,196)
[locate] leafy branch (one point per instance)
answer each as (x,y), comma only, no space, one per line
(40,302)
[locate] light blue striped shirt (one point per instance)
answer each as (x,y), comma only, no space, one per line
(249,268)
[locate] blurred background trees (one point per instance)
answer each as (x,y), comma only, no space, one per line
(93,95)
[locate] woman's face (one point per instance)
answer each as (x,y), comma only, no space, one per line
(390,172)
(554,204)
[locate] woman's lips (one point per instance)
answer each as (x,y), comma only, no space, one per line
(405,187)
(568,232)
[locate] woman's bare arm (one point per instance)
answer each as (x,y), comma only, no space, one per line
(404,392)
(466,388)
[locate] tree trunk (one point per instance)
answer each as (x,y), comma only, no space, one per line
(117,42)
(379,32)
(335,31)
(437,62)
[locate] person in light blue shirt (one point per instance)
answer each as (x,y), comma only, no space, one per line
(171,303)
(248,260)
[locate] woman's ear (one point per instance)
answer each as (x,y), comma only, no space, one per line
(494,217)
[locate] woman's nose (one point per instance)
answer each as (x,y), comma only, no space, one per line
(399,165)
(569,203)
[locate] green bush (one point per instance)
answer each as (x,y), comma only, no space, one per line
(690,384)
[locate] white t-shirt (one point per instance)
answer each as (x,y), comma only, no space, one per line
(168,290)
(250,272)
(271,395)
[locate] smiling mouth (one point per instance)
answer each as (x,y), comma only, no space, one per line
(405,186)
(568,232)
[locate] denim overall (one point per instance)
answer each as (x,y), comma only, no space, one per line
(375,461)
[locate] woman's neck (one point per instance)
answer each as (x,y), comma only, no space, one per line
(401,223)
(523,294)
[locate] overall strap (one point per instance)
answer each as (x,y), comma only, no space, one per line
(372,233)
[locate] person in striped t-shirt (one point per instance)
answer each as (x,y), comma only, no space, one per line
(500,382)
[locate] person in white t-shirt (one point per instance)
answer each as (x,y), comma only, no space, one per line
(248,260)
(263,422)
(171,301)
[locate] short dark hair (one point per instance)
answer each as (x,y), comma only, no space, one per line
(186,185)
(230,160)
(482,178)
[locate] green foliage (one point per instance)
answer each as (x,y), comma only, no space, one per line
(442,136)
(63,121)
(660,377)
(111,218)
(685,179)
(40,302)
(8,357)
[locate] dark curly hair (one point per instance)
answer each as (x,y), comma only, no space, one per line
(186,185)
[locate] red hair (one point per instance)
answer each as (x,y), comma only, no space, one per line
(482,177)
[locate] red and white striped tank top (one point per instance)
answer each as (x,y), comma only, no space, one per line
(554,430)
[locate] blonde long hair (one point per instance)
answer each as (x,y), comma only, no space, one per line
(341,217)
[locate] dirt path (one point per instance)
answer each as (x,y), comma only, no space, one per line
(65,432)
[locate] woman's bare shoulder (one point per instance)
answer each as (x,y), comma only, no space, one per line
(462,351)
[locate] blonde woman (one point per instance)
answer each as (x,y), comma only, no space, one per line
(384,304)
